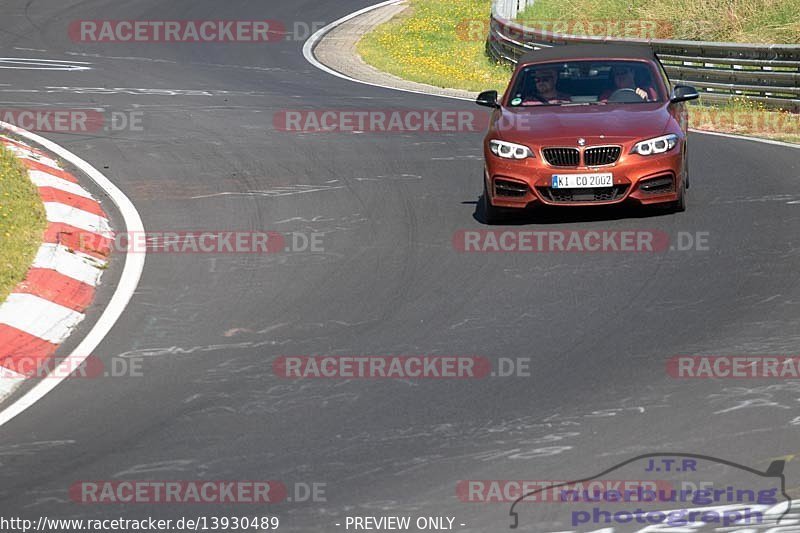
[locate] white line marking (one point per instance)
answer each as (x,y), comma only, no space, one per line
(277,191)
(39,317)
(31,59)
(308,53)
(43,179)
(26,63)
(77,266)
(134,264)
(66,214)
(33,156)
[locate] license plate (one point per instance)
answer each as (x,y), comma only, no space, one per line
(581,181)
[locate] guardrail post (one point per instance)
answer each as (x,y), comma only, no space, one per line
(508,8)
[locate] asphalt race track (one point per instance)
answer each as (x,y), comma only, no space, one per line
(598,328)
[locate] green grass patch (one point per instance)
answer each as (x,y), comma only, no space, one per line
(427,44)
(22,222)
(746,117)
(743,21)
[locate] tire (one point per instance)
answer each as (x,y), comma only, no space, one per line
(680,205)
(686,168)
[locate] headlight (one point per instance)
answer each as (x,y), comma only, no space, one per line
(508,150)
(659,145)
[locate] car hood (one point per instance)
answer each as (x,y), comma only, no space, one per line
(595,123)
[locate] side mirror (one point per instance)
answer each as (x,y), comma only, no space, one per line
(682,93)
(488,99)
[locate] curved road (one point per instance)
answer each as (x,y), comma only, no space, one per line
(597,328)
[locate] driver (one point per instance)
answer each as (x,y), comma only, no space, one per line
(624,79)
(546,93)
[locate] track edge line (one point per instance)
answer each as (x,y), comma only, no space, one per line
(128,281)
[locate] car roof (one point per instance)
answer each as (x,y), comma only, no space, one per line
(571,52)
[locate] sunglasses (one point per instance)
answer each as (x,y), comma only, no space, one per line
(537,79)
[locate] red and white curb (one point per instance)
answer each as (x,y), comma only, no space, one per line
(124,288)
(42,310)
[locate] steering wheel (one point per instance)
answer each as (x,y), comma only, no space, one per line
(625,95)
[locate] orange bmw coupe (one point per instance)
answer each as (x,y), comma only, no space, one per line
(586,125)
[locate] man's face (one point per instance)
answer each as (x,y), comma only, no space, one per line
(545,81)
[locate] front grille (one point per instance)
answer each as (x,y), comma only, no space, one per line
(602,155)
(509,188)
(594,194)
(562,157)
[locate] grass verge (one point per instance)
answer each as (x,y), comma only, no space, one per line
(744,117)
(743,21)
(22,222)
(424,44)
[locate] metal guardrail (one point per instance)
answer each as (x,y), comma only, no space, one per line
(720,71)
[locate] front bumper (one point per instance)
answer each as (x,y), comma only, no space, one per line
(638,179)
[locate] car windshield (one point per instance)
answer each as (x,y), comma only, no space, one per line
(586,83)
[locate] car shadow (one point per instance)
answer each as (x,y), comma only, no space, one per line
(551,215)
